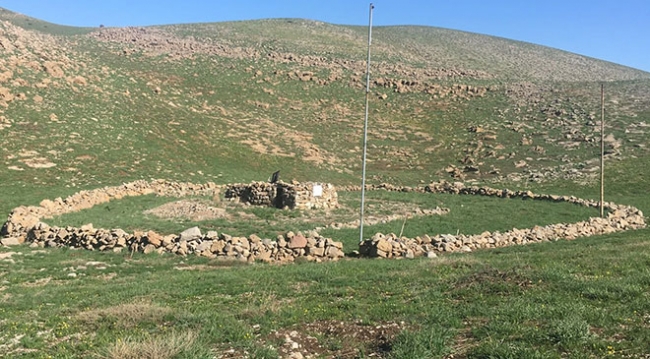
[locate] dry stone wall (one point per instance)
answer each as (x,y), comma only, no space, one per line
(23,218)
(285,248)
(619,218)
(285,195)
(255,194)
(25,225)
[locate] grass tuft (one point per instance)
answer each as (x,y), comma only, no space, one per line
(124,316)
(151,347)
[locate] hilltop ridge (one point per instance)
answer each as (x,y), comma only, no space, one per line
(417,45)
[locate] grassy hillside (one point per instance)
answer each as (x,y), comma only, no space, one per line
(234,102)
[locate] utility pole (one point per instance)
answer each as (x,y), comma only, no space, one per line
(602,150)
(365,129)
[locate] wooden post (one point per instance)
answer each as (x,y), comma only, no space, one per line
(602,150)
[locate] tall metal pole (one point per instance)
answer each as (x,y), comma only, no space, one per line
(602,150)
(365,129)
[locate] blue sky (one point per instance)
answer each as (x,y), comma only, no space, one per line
(612,30)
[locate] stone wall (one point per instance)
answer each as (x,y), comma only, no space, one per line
(284,195)
(285,248)
(256,193)
(23,218)
(619,218)
(25,225)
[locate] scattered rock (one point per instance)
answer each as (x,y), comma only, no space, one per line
(53,69)
(431,254)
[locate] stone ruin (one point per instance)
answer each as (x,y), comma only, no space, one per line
(294,195)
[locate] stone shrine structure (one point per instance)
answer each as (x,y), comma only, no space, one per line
(307,195)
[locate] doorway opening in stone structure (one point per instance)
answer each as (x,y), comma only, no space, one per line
(279,201)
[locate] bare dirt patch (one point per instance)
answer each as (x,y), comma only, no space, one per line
(194,210)
(5,122)
(512,277)
(329,339)
(38,162)
(108,276)
(8,255)
(464,340)
(266,137)
(38,283)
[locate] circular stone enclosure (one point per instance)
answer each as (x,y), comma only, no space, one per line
(25,225)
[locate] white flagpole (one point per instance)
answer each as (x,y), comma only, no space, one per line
(365,128)
(602,150)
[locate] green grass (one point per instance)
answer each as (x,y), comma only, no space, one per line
(580,299)
(468,215)
(584,298)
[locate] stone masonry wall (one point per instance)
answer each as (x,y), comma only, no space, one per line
(619,218)
(285,248)
(281,194)
(256,193)
(23,218)
(25,224)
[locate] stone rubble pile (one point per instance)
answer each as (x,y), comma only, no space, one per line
(619,218)
(24,225)
(293,195)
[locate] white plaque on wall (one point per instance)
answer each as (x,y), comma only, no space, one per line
(318,190)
